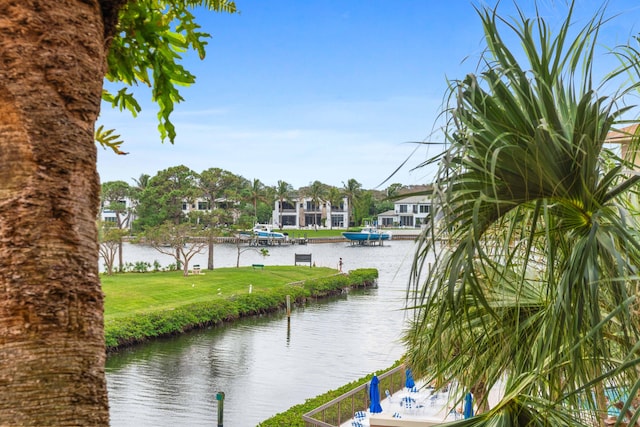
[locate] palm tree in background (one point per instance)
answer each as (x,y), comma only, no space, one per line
(142,181)
(140,184)
(256,193)
(352,190)
(283,193)
(535,294)
(317,193)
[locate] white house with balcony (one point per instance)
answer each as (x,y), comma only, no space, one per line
(409,212)
(304,212)
(126,213)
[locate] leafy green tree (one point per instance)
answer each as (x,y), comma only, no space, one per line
(217,184)
(265,212)
(115,195)
(55,56)
(214,223)
(110,239)
(351,191)
(383,204)
(267,204)
(181,241)
(164,196)
(240,249)
(151,33)
(393,190)
(364,207)
(535,290)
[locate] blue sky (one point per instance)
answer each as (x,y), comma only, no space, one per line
(328,90)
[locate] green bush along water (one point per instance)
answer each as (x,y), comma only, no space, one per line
(139,306)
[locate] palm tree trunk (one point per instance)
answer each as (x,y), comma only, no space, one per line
(52,349)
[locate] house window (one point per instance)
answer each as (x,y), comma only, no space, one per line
(415,209)
(289,220)
(312,219)
(403,208)
(337,220)
(406,221)
(185,206)
(424,208)
(203,206)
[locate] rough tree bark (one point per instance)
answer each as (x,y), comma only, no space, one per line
(52,64)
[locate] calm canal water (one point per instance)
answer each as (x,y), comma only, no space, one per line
(265,365)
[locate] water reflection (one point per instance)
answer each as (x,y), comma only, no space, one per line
(266,364)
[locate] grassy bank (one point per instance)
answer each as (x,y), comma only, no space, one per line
(139,306)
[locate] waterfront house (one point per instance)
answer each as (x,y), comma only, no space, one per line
(623,137)
(301,212)
(410,212)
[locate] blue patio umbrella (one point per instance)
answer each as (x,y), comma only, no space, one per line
(409,383)
(468,406)
(374,395)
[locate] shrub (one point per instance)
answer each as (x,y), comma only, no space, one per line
(142,326)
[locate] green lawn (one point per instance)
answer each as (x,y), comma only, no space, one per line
(131,293)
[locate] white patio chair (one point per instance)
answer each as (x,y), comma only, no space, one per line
(410,405)
(360,415)
(389,398)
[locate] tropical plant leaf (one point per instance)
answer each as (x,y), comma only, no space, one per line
(107,139)
(524,279)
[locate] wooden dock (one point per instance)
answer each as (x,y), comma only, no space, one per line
(301,239)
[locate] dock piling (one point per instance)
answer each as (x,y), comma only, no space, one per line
(288,305)
(220,399)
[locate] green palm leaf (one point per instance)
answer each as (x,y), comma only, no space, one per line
(531,261)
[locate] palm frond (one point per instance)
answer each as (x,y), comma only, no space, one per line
(531,256)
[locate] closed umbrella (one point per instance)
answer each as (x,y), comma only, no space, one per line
(374,396)
(468,406)
(409,383)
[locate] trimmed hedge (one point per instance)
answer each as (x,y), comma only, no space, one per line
(137,328)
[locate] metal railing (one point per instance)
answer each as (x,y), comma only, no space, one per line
(343,408)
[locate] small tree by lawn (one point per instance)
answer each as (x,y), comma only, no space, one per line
(179,241)
(242,249)
(110,238)
(214,225)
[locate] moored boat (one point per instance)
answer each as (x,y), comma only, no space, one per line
(367,234)
(264,231)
